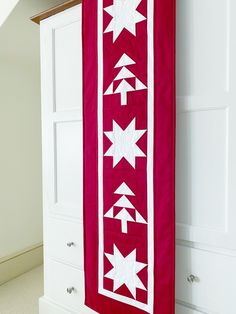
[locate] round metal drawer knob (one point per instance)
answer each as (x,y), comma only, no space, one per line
(191,279)
(70,244)
(70,290)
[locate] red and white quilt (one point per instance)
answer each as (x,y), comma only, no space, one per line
(129,155)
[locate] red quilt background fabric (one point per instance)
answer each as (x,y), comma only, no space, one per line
(129,155)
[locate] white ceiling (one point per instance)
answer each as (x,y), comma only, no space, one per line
(19,36)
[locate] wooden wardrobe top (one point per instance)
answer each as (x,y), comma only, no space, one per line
(57,9)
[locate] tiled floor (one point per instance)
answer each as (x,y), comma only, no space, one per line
(20,296)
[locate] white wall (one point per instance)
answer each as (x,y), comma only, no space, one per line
(6,7)
(20,131)
(20,158)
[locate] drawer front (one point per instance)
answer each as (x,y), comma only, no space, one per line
(58,279)
(64,241)
(212,289)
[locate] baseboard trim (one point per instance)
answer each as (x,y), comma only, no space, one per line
(16,264)
(49,307)
(183,309)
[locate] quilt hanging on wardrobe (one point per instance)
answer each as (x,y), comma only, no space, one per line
(129,155)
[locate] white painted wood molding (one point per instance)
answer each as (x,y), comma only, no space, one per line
(16,264)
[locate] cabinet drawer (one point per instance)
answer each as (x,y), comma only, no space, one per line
(213,289)
(64,241)
(59,278)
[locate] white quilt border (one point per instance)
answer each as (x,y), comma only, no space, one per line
(150,151)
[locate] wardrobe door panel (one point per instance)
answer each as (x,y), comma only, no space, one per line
(67,66)
(62,113)
(68,175)
(205,156)
(206,114)
(201,197)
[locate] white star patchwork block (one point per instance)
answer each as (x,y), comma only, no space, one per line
(125,271)
(124,143)
(124,16)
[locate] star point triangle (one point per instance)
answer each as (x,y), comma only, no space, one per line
(110,213)
(139,218)
(124,61)
(139,85)
(109,91)
(123,189)
(124,214)
(124,87)
(123,74)
(124,202)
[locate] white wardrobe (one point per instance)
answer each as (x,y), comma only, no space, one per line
(206,159)
(61,70)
